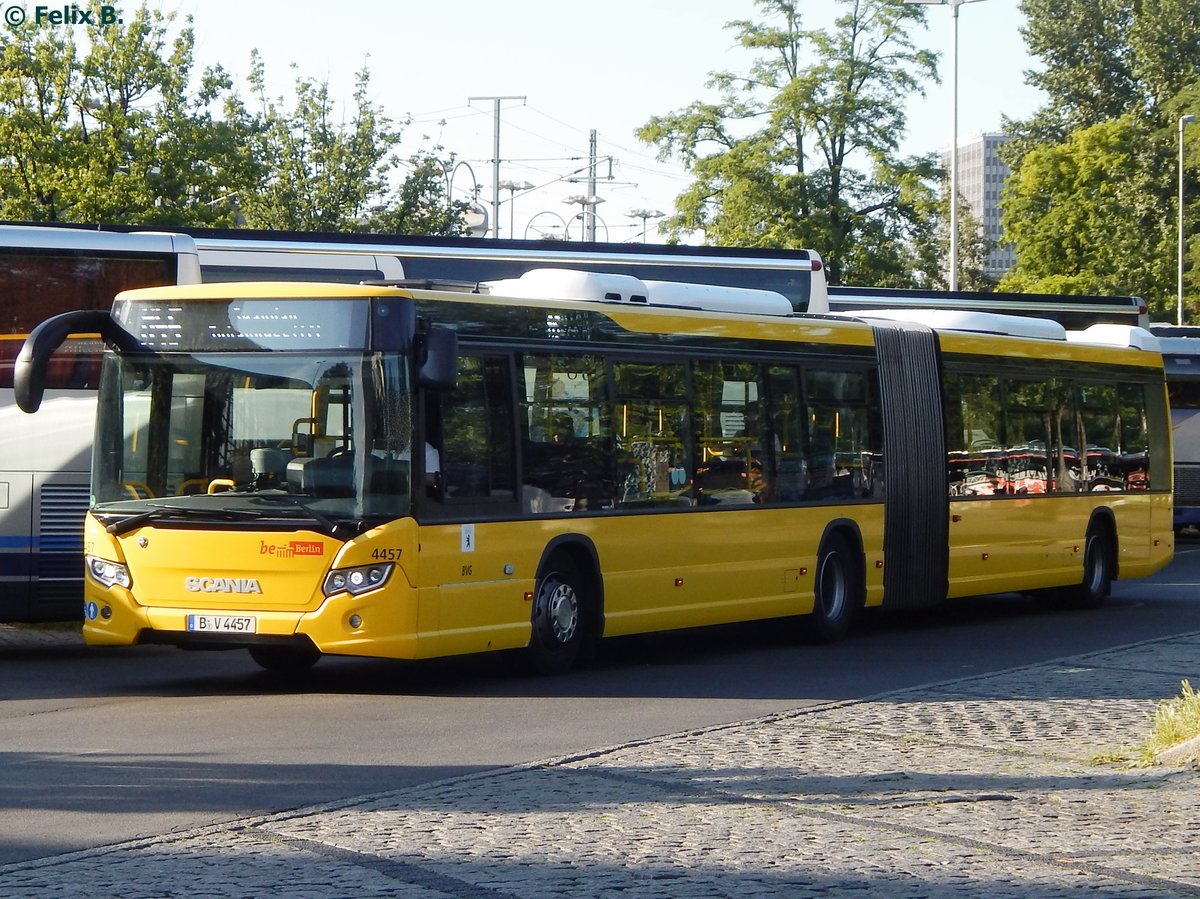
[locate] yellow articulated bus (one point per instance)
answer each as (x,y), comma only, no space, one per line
(531,465)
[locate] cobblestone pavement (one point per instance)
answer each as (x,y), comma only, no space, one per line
(989,786)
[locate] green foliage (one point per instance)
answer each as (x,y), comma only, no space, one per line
(777,159)
(1104,59)
(419,205)
(1091,206)
(1175,721)
(1079,229)
(321,174)
(112,131)
(1083,46)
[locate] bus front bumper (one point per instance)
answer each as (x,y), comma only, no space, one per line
(381,624)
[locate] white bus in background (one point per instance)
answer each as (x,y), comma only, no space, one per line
(45,460)
(244,255)
(1073,312)
(1181,360)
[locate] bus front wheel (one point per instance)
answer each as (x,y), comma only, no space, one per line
(557,624)
(837,591)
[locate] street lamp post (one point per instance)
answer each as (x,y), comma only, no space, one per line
(954,5)
(588,204)
(477,216)
(1184,121)
(512,187)
(645,215)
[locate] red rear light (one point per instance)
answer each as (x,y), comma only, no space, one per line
(816,265)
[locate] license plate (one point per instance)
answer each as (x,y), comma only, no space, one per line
(222,624)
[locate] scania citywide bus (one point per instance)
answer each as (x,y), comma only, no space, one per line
(534,465)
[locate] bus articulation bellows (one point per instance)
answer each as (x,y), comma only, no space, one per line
(535,464)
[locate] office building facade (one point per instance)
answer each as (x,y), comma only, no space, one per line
(981,176)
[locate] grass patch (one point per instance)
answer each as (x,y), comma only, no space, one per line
(1175,720)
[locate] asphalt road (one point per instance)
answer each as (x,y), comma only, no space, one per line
(106,745)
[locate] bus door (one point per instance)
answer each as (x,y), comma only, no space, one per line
(1112,420)
(1011,446)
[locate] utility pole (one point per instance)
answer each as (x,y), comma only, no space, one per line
(496,158)
(591,192)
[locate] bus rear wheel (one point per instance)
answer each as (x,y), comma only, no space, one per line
(837,591)
(1099,556)
(558,619)
(285,659)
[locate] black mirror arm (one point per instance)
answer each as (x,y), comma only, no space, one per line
(29,369)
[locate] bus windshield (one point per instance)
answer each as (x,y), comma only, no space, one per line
(284,435)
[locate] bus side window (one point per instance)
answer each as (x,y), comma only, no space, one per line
(976,462)
(476,452)
(844,434)
(1042,437)
(1064,435)
(729,424)
(1135,448)
(566,434)
(1027,440)
(1100,418)
(651,423)
(789,474)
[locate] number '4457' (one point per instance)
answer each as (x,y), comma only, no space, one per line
(386,555)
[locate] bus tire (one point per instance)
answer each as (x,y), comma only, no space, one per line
(1099,562)
(285,659)
(1099,556)
(557,624)
(837,590)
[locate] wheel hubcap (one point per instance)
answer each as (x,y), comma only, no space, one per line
(1095,566)
(562,611)
(833,586)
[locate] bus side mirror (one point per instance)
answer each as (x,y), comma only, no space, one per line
(437,358)
(29,370)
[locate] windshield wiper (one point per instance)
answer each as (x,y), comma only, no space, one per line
(326,523)
(125,525)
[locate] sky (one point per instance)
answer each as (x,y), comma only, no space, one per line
(571,68)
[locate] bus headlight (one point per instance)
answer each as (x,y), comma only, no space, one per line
(110,574)
(357,580)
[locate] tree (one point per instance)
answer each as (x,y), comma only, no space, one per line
(111,131)
(322,175)
(110,134)
(777,158)
(39,75)
(1090,205)
(1079,229)
(421,204)
(1103,59)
